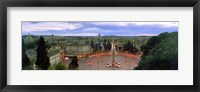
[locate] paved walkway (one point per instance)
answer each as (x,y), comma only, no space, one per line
(99,61)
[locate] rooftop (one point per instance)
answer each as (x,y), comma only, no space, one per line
(53,52)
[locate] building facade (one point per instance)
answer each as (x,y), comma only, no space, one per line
(78,50)
(54,56)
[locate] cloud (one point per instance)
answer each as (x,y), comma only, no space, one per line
(158,24)
(91,29)
(112,23)
(146,35)
(45,26)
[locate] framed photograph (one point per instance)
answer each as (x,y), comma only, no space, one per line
(121,45)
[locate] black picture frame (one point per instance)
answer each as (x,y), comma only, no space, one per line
(99,3)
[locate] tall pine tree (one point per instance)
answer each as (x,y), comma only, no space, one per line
(42,58)
(108,46)
(92,44)
(104,44)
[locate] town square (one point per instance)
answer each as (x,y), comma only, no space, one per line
(99,46)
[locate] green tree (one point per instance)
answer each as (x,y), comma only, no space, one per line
(135,49)
(59,66)
(104,44)
(162,53)
(96,47)
(25,59)
(92,44)
(99,46)
(108,46)
(152,42)
(74,63)
(42,58)
(31,44)
(48,44)
(129,47)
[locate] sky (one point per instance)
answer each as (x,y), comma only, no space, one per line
(94,28)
